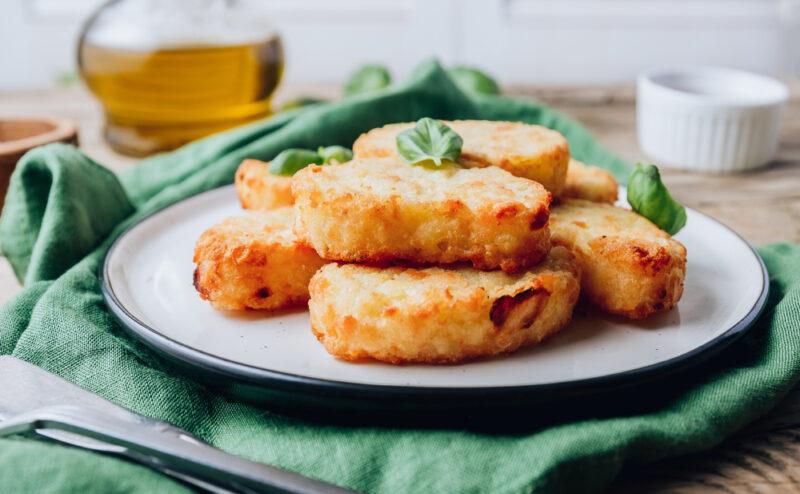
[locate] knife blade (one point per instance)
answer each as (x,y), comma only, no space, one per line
(34,400)
(27,387)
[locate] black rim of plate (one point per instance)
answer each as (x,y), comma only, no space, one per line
(218,367)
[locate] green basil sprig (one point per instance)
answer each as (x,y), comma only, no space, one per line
(367,78)
(291,161)
(430,141)
(335,154)
(649,197)
(472,80)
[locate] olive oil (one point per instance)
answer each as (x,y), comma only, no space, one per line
(159,99)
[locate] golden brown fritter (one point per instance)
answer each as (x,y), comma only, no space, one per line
(260,190)
(629,266)
(254,262)
(590,183)
(528,151)
(377,210)
(439,315)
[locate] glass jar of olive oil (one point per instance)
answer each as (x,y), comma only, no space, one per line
(170,71)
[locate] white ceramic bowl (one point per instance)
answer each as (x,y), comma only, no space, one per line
(709,119)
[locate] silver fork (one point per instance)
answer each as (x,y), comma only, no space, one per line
(35,401)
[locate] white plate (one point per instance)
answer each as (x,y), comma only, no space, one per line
(147,280)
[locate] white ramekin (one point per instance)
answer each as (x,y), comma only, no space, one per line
(709,119)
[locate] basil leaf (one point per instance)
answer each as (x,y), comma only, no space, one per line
(291,161)
(366,79)
(300,102)
(335,154)
(429,140)
(649,197)
(472,80)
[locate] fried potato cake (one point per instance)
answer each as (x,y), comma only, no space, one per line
(629,266)
(380,209)
(439,315)
(589,182)
(254,262)
(260,190)
(528,151)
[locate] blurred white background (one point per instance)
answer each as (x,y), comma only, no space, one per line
(517,41)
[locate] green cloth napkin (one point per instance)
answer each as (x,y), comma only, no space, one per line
(63,211)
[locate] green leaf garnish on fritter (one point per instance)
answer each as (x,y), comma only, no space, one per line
(290,161)
(430,141)
(649,197)
(334,154)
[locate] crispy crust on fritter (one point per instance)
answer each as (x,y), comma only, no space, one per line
(590,183)
(380,210)
(629,266)
(528,151)
(254,262)
(439,315)
(260,190)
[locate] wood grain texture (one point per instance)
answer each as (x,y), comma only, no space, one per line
(763,206)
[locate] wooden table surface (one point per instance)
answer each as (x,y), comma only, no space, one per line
(763,206)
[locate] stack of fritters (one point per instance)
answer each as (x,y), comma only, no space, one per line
(484,229)
(439,265)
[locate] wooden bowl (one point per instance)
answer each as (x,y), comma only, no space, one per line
(18,135)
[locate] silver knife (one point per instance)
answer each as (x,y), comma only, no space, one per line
(34,400)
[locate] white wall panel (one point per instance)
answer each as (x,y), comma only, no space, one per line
(579,41)
(518,41)
(38,39)
(325,40)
